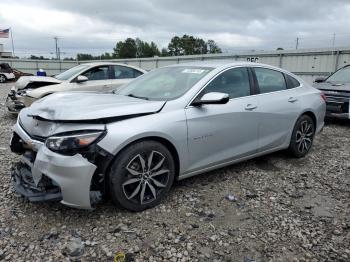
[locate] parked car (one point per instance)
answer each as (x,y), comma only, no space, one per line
(336,87)
(6,73)
(100,76)
(169,124)
(19,73)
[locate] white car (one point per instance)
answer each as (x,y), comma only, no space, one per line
(101,77)
(6,73)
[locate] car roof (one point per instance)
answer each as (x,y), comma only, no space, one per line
(224,63)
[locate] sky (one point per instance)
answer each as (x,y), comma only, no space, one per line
(88,26)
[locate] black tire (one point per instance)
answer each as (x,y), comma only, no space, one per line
(154,181)
(302,136)
(3,78)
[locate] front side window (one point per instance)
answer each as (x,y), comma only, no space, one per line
(341,76)
(234,82)
(97,73)
(123,72)
(165,83)
(270,80)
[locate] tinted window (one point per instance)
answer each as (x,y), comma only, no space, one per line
(122,72)
(292,82)
(270,80)
(97,73)
(234,82)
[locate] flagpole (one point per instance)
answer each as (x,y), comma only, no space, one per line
(13,47)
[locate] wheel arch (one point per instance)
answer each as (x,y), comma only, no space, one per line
(312,115)
(166,142)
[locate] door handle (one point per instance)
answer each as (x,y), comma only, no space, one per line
(292,100)
(250,107)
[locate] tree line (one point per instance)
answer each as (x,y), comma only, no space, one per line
(136,48)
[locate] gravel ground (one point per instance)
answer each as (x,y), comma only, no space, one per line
(281,209)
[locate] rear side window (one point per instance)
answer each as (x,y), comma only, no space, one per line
(291,82)
(123,72)
(234,82)
(270,80)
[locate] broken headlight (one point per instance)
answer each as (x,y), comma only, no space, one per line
(72,142)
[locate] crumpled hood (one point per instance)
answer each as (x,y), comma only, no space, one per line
(88,106)
(345,87)
(23,81)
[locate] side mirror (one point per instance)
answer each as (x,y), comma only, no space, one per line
(81,79)
(212,98)
(320,79)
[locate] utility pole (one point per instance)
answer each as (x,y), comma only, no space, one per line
(333,42)
(297,43)
(57,50)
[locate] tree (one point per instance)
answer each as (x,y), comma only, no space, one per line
(125,49)
(213,48)
(164,52)
(175,47)
(189,45)
(279,48)
(34,57)
(81,57)
(131,48)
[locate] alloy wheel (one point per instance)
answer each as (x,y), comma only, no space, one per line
(304,136)
(2,79)
(147,175)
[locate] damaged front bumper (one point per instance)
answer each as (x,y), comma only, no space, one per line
(43,175)
(16,102)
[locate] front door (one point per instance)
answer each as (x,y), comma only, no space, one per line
(99,79)
(223,132)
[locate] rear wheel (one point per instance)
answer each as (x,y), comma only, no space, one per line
(302,136)
(141,175)
(3,79)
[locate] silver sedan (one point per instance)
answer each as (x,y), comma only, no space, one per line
(169,124)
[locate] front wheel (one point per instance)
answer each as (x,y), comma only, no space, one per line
(302,136)
(3,79)
(141,175)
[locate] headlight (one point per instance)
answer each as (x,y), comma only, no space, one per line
(72,142)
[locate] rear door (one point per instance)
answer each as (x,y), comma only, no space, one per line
(223,132)
(122,75)
(99,79)
(278,108)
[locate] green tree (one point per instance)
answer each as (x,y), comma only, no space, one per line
(213,48)
(189,45)
(81,57)
(175,47)
(125,49)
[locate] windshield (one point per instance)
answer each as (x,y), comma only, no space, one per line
(71,72)
(166,83)
(341,76)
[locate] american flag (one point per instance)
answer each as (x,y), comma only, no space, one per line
(4,33)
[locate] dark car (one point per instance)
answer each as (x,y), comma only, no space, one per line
(6,73)
(336,88)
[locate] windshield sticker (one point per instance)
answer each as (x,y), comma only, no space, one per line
(194,71)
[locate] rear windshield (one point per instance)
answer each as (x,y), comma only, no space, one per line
(71,72)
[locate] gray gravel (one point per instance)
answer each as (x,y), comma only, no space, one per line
(280,209)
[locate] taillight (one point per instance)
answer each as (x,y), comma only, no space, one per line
(324,97)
